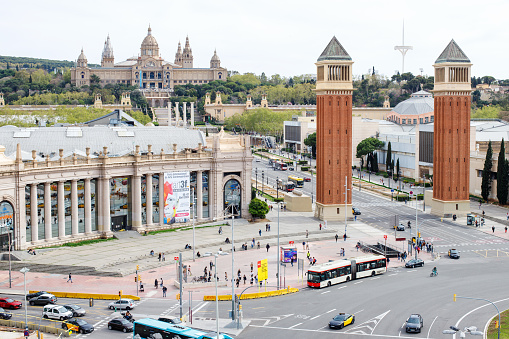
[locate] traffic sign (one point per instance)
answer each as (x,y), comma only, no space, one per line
(385,236)
(291,242)
(400,239)
(176,258)
(392,190)
(411,192)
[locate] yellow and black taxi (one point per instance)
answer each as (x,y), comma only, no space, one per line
(77,325)
(342,320)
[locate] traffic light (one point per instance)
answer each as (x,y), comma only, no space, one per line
(454,297)
(135,279)
(139,277)
(137,267)
(419,234)
(178,296)
(120,293)
(496,324)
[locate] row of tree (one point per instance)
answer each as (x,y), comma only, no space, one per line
(502,175)
(260,120)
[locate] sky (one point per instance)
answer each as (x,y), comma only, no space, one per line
(276,37)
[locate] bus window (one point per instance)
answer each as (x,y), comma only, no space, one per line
(322,277)
(333,274)
(314,277)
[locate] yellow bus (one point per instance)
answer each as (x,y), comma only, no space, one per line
(299,182)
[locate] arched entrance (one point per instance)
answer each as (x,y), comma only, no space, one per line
(6,225)
(232,198)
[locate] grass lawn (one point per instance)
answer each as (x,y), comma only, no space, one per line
(504,329)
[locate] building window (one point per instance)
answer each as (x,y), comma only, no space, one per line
(404,121)
(420,120)
(426,120)
(479,173)
(180,81)
(432,118)
(415,121)
(200,81)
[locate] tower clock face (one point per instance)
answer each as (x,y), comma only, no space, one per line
(151,64)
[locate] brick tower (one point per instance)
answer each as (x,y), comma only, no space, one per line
(334,133)
(451,154)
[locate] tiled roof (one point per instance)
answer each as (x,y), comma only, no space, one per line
(452,53)
(334,51)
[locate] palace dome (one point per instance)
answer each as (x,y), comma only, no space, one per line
(149,42)
(419,103)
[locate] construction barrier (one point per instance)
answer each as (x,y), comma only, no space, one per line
(252,295)
(90,295)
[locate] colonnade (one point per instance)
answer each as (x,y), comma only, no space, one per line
(176,116)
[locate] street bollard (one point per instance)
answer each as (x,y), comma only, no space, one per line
(91,302)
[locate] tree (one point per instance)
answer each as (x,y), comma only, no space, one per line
(502,173)
(311,141)
(375,163)
(486,174)
(388,158)
(94,79)
(397,170)
(367,147)
(258,208)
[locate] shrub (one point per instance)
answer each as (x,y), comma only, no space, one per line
(302,162)
(258,208)
(279,199)
(304,168)
(385,175)
(401,197)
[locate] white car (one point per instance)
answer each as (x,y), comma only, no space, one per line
(122,304)
(56,312)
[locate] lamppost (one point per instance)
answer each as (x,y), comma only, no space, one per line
(360,172)
(277,188)
(278,249)
(24,270)
(194,217)
(471,330)
(263,177)
(217,300)
(256,181)
(346,198)
(474,328)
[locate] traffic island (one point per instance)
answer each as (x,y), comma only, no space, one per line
(258,295)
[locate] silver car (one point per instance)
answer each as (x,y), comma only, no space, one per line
(122,304)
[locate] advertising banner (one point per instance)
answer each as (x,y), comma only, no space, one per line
(263,273)
(177,205)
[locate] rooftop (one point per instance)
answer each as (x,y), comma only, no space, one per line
(452,53)
(334,51)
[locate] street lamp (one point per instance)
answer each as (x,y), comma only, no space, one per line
(194,217)
(217,300)
(263,178)
(346,199)
(256,182)
(278,249)
(473,327)
(24,270)
(471,330)
(277,188)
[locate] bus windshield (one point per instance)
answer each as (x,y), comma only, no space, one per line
(314,277)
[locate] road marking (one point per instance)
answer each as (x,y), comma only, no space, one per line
(322,314)
(377,278)
(358,311)
(431,325)
(390,275)
(325,292)
(341,287)
(255,308)
(295,325)
(151,293)
(358,282)
(200,307)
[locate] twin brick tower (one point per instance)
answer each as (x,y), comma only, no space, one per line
(451,157)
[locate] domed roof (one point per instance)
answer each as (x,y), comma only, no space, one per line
(419,103)
(82,56)
(149,40)
(215,57)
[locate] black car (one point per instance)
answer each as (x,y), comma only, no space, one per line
(414,263)
(4,314)
(76,310)
(414,323)
(36,294)
(43,300)
(341,320)
(120,324)
(356,211)
(77,325)
(454,254)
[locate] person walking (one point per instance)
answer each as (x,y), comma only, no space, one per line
(225,276)
(189,270)
(161,283)
(159,256)
(344,237)
(307,233)
(244,278)
(156,283)
(505,229)
(70,278)
(268,246)
(260,232)
(337,236)
(320,226)
(493,229)
(220,229)
(303,245)
(291,261)
(164,258)
(164,291)
(251,267)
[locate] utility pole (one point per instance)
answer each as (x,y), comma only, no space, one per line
(233,271)
(180,283)
(194,217)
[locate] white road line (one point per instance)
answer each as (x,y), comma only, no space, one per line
(358,311)
(200,307)
(358,282)
(390,275)
(376,278)
(295,325)
(341,287)
(325,292)
(322,314)
(431,325)
(151,293)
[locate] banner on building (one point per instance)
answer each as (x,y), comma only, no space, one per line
(176,197)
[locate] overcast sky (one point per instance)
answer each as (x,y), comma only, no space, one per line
(277,36)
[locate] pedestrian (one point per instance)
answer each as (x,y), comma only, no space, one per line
(399,257)
(164,258)
(156,283)
(320,226)
(211,265)
(303,245)
(251,267)
(505,229)
(244,278)
(269,227)
(483,213)
(307,246)
(70,278)
(258,244)
(225,276)
(159,256)
(493,229)
(308,255)
(260,232)
(355,218)
(161,283)
(268,246)
(314,261)
(164,291)
(344,237)
(251,281)
(291,261)
(266,227)
(220,229)
(189,270)
(238,282)
(337,236)
(307,234)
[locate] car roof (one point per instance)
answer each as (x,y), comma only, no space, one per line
(46,295)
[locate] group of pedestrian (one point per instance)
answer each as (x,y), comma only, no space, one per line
(312,260)
(267,228)
(161,256)
(342,252)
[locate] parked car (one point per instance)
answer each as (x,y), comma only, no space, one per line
(307,179)
(400,227)
(10,303)
(122,304)
(56,312)
(35,294)
(356,211)
(414,263)
(454,253)
(43,300)
(291,169)
(78,325)
(76,310)
(414,323)
(170,320)
(5,314)
(120,324)
(341,320)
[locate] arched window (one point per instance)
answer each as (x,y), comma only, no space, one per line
(83,75)
(232,197)
(151,75)
(220,75)
(6,225)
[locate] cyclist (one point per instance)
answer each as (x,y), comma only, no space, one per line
(409,224)
(434,271)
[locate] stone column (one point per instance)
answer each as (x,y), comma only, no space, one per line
(34,222)
(177,114)
(184,115)
(161,199)
(192,114)
(106,205)
(20,240)
(169,113)
(199,195)
(48,234)
(136,189)
(148,200)
(61,210)
(74,207)
(88,207)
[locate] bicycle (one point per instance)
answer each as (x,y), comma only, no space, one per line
(433,273)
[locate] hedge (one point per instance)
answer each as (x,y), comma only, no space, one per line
(304,168)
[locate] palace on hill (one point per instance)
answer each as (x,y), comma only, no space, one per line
(155,76)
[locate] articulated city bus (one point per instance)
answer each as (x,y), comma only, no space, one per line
(281,166)
(335,272)
(148,328)
(299,182)
(286,187)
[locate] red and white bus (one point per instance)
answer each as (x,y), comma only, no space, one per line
(281,166)
(335,272)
